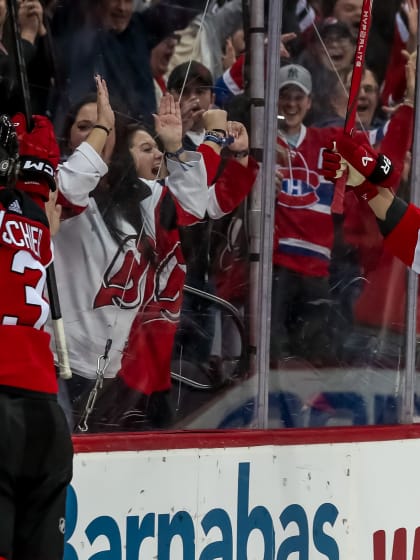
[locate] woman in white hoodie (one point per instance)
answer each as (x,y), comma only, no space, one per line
(110,260)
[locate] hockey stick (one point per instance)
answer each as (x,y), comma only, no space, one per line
(57,320)
(356,78)
(359,61)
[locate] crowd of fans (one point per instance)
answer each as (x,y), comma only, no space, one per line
(150,103)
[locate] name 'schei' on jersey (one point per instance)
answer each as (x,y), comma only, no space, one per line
(20,234)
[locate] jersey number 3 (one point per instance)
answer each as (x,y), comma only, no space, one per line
(28,277)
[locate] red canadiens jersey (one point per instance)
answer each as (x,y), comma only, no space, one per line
(25,244)
(303,234)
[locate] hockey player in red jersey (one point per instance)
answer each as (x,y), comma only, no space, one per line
(35,445)
(372,175)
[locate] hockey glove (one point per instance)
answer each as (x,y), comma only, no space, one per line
(9,152)
(39,156)
(376,168)
(334,167)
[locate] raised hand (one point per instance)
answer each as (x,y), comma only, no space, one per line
(215,119)
(106,116)
(240,135)
(191,112)
(286,38)
(168,123)
(229,58)
(411,11)
(410,75)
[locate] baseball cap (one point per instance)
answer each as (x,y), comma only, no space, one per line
(295,75)
(332,27)
(196,72)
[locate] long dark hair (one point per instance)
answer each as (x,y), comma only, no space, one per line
(119,198)
(70,118)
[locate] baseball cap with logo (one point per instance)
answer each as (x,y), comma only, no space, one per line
(295,75)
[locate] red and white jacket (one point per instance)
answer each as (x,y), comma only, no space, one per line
(111,291)
(104,285)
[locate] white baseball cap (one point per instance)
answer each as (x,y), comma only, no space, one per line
(296,75)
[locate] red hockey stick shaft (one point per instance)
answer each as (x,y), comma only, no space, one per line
(356,78)
(359,61)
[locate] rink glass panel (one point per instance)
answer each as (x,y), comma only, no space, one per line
(341,358)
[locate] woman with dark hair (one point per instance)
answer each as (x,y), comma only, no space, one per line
(110,251)
(138,397)
(79,123)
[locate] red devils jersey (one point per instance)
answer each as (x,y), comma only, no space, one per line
(109,289)
(25,246)
(145,363)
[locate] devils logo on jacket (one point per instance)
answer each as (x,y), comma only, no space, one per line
(124,281)
(134,280)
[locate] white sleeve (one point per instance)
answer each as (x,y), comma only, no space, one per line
(187,181)
(213,208)
(80,174)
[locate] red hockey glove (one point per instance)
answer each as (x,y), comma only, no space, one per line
(39,156)
(375,167)
(334,167)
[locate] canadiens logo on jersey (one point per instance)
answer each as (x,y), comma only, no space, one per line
(299,187)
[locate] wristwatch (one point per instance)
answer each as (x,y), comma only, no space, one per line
(218,136)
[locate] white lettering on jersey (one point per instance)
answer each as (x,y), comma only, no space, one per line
(23,262)
(386,166)
(21,234)
(294,187)
(366,160)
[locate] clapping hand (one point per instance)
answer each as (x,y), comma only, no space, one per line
(168,123)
